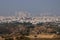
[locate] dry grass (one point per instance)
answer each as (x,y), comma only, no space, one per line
(44,36)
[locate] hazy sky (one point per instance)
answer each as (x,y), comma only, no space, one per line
(35,7)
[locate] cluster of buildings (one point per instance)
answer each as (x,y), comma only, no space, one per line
(32,20)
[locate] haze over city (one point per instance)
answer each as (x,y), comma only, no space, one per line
(34,7)
(29,19)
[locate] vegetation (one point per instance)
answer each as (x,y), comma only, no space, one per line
(21,30)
